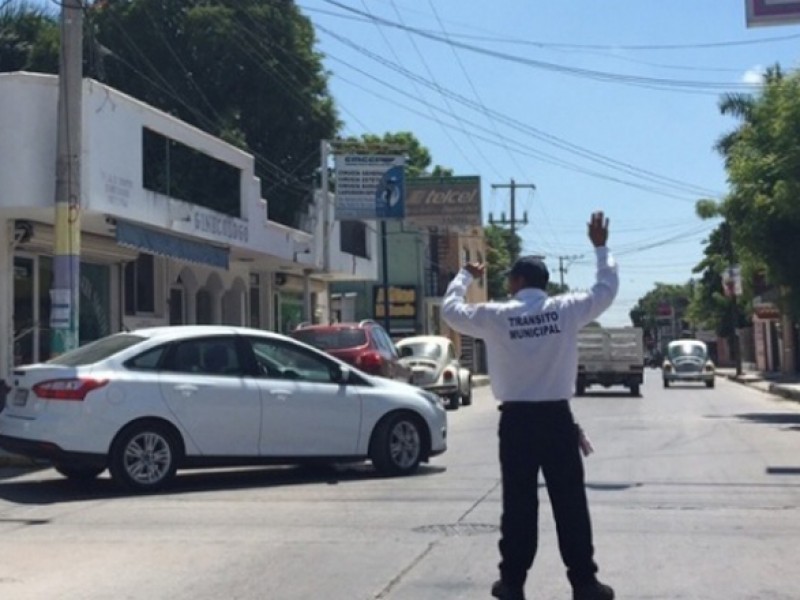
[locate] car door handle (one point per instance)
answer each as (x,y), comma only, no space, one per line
(281,394)
(186,389)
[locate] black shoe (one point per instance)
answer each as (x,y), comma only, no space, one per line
(593,591)
(506,592)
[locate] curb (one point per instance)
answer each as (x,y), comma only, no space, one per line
(776,389)
(784,392)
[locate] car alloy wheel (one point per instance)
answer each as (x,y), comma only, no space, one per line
(405,444)
(144,458)
(397,445)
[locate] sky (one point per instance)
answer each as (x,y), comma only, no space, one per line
(607,105)
(643,153)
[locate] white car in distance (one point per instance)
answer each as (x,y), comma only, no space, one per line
(146,403)
(435,367)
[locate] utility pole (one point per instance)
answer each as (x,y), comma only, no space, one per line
(562,269)
(512,222)
(734,338)
(65,293)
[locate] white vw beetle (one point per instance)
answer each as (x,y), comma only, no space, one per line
(687,360)
(435,367)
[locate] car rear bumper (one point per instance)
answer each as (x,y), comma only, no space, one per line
(41,449)
(694,376)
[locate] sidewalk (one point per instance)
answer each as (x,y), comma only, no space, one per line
(480,380)
(770,383)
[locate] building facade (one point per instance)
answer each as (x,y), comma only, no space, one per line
(159,243)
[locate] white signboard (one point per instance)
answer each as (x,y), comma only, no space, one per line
(369,187)
(772,12)
(732,281)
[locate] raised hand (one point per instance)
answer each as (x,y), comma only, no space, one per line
(598,229)
(475,269)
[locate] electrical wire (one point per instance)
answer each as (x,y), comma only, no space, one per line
(675,85)
(396,56)
(503,39)
(472,87)
(521,148)
(520,126)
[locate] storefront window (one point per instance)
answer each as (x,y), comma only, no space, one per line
(140,285)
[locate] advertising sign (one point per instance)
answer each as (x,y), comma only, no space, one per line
(444,201)
(402,302)
(772,12)
(369,187)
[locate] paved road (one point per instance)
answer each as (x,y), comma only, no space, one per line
(694,494)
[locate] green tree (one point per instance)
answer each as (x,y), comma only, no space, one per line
(651,310)
(502,249)
(28,39)
(418,157)
(762,159)
(245,71)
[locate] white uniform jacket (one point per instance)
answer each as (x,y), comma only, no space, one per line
(531,339)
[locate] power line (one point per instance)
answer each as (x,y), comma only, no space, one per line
(520,147)
(475,93)
(502,39)
(691,86)
(519,125)
(433,114)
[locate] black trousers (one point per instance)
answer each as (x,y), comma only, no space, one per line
(533,436)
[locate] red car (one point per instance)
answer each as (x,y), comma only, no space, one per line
(365,345)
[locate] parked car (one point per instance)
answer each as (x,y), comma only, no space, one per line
(365,345)
(148,402)
(687,360)
(435,367)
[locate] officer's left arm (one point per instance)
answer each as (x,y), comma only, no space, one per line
(471,319)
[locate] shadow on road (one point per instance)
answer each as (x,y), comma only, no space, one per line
(608,394)
(790,418)
(783,470)
(55,491)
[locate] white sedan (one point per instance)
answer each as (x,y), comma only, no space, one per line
(148,402)
(435,367)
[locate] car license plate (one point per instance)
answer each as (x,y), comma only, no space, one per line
(20,397)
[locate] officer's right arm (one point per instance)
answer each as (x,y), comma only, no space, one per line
(471,319)
(586,307)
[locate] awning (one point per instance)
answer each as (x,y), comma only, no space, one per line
(165,244)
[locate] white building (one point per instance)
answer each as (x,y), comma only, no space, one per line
(148,258)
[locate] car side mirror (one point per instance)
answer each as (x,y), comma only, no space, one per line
(342,374)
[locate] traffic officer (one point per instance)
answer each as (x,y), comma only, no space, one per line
(531,343)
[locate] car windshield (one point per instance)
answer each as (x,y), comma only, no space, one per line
(331,339)
(680,350)
(96,351)
(422,350)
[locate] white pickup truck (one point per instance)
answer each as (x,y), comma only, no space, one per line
(610,356)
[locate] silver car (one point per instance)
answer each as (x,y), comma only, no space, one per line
(687,360)
(436,368)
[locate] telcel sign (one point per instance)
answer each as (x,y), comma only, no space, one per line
(443,202)
(772,12)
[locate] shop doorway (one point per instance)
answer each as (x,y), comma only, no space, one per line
(177,306)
